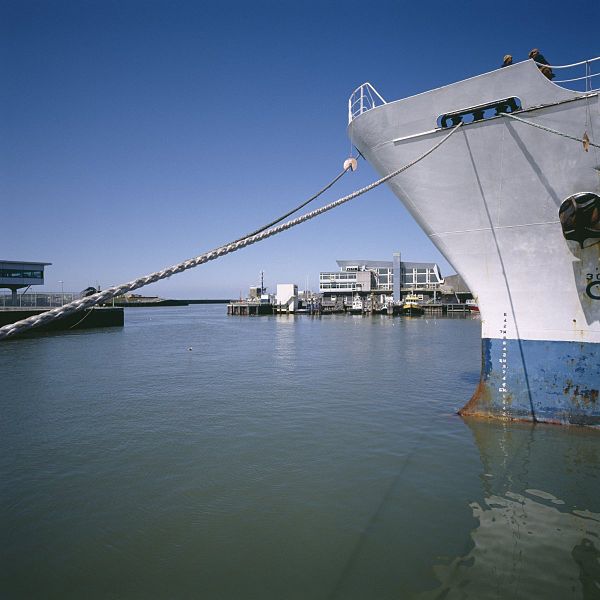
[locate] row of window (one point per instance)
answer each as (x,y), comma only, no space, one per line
(341,275)
(407,278)
(411,279)
(382,278)
(386,287)
(20,274)
(345,275)
(339,286)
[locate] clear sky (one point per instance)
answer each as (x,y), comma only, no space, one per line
(135,134)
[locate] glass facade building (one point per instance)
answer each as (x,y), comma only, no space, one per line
(15,275)
(386,279)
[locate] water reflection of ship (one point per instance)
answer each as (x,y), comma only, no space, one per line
(539,522)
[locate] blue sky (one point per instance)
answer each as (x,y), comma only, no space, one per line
(138,134)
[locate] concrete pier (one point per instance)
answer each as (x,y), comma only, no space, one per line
(446,309)
(85,319)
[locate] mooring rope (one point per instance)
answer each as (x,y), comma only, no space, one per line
(291,212)
(548,129)
(89,301)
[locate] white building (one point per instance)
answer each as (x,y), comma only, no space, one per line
(286,298)
(381,279)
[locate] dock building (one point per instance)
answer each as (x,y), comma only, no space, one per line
(258,302)
(16,274)
(379,281)
(286,298)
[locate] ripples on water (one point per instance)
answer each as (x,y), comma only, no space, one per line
(281,457)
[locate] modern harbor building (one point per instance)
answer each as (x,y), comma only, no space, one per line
(383,281)
(16,275)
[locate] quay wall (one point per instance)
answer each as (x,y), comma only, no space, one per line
(86,319)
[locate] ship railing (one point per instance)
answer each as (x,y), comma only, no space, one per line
(363,98)
(585,82)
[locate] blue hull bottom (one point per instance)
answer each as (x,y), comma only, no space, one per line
(551,382)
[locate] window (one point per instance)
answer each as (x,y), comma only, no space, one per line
(20,274)
(479,113)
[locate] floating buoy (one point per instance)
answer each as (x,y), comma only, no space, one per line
(350,163)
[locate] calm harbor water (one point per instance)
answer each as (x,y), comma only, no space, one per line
(195,455)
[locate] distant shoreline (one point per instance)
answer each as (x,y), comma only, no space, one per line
(162,302)
(209,301)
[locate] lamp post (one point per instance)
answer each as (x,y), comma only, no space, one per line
(62,292)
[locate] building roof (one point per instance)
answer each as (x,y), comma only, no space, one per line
(24,262)
(385,264)
(456,283)
(373,264)
(419,265)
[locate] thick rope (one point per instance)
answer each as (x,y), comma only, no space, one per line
(104,296)
(565,135)
(291,212)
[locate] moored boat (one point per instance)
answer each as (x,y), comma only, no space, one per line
(472,306)
(384,309)
(512,200)
(411,306)
(357,307)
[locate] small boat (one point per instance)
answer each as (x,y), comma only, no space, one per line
(472,306)
(357,307)
(411,306)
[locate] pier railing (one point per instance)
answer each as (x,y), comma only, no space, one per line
(580,76)
(37,300)
(363,98)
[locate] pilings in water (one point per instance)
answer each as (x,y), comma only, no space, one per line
(446,309)
(246,309)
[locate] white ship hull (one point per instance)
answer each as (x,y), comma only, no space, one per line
(489,199)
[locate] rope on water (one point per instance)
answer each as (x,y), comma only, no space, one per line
(565,135)
(100,297)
